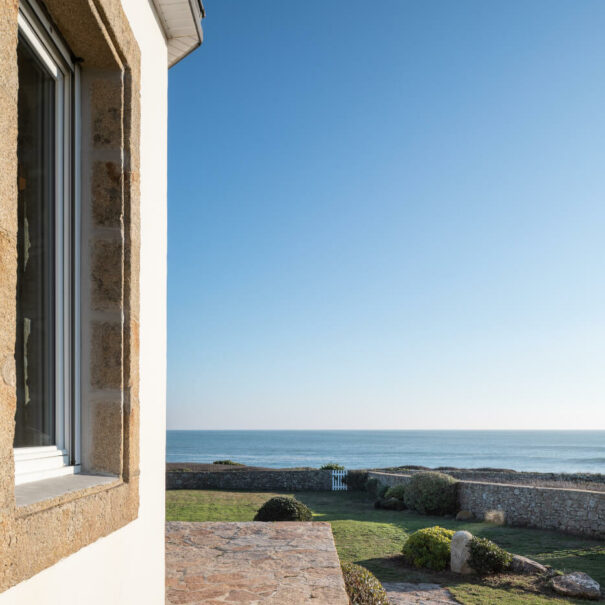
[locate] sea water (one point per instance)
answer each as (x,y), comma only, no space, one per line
(546,451)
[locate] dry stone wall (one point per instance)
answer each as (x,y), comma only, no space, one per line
(590,481)
(575,511)
(390,479)
(304,480)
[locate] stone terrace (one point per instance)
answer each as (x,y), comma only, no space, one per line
(252,563)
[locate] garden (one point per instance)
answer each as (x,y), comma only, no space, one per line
(371,531)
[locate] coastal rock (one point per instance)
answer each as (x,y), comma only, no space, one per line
(521,564)
(465,515)
(577,585)
(460,552)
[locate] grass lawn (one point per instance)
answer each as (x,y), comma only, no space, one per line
(374,538)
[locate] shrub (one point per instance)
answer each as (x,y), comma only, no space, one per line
(362,586)
(429,547)
(487,557)
(397,491)
(432,493)
(375,488)
(283,509)
(372,486)
(332,466)
(228,462)
(390,504)
(356,480)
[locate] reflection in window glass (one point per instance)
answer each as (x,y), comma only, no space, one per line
(35,417)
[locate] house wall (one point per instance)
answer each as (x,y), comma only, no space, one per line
(127,566)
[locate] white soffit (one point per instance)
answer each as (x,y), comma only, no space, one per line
(182,24)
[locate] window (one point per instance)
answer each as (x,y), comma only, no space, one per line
(47,416)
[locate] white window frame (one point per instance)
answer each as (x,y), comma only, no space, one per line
(63,458)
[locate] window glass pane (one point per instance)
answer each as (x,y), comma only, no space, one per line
(35,417)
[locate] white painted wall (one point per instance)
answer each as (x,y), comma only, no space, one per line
(128,565)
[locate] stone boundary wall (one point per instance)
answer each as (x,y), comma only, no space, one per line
(575,511)
(306,480)
(390,479)
(518,478)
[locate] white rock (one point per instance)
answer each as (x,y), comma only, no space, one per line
(460,552)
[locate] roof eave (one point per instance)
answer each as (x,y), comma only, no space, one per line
(181,22)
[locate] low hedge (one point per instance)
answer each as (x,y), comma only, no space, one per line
(332,466)
(432,493)
(228,462)
(429,547)
(362,586)
(487,557)
(281,508)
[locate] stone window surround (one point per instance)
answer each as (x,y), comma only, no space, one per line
(63,517)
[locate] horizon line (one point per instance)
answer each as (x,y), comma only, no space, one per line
(396,430)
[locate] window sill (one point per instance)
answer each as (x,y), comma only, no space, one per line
(47,466)
(36,494)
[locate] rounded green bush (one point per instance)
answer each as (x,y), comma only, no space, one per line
(283,509)
(228,462)
(431,493)
(429,547)
(487,557)
(332,466)
(362,586)
(397,491)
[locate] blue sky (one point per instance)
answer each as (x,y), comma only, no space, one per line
(389,215)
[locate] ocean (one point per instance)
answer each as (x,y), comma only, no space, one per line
(545,451)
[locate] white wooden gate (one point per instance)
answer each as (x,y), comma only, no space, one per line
(339,480)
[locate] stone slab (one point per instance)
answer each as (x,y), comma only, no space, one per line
(403,593)
(251,563)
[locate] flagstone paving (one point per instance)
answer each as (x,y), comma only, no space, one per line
(403,593)
(252,563)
